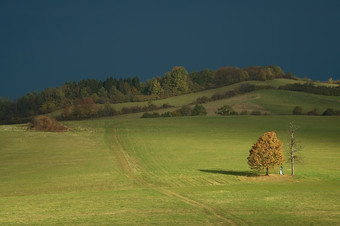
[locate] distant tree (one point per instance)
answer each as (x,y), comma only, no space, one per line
(266,152)
(225,110)
(156,88)
(84,93)
(115,96)
(84,108)
(136,83)
(202,78)
(297,110)
(175,81)
(66,112)
(198,110)
(102,95)
(110,82)
(230,75)
(277,71)
(330,81)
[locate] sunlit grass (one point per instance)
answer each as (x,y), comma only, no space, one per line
(185,171)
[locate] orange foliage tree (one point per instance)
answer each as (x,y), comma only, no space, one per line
(266,152)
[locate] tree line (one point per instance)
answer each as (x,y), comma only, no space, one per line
(74,98)
(311,88)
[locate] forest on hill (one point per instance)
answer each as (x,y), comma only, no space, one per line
(79,99)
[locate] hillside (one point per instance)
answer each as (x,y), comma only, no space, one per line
(277,102)
(91,98)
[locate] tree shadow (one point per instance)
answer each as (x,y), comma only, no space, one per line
(231,172)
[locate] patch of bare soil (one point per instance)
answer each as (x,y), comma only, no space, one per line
(270,178)
(47,124)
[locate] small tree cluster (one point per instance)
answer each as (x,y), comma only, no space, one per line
(328,112)
(183,111)
(226,110)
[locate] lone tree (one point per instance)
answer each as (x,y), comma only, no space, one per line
(293,147)
(266,153)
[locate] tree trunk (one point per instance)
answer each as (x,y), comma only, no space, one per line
(267,174)
(292,144)
(293,173)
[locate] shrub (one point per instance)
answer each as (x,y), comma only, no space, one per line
(314,111)
(202,100)
(217,96)
(166,105)
(225,110)
(166,114)
(328,112)
(255,113)
(150,115)
(185,111)
(152,107)
(107,110)
(147,115)
(297,110)
(246,88)
(175,114)
(244,112)
(198,110)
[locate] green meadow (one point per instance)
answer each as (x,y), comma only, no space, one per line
(165,171)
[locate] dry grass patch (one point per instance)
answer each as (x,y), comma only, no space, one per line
(47,124)
(270,178)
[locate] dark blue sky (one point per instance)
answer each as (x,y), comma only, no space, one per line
(46,43)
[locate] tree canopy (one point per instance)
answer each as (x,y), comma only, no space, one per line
(266,152)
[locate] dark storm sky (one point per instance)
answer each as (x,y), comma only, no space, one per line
(46,43)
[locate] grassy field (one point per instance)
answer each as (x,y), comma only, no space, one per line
(276,102)
(166,171)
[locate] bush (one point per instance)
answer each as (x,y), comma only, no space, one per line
(175,114)
(166,105)
(147,115)
(202,100)
(246,88)
(244,112)
(107,110)
(314,111)
(185,111)
(166,114)
(328,112)
(226,110)
(309,87)
(297,110)
(217,96)
(255,113)
(198,110)
(150,115)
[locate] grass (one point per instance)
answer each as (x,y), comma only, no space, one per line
(165,171)
(276,102)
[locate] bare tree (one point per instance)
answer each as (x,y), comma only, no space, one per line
(293,147)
